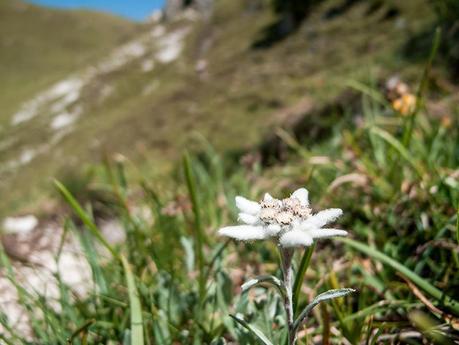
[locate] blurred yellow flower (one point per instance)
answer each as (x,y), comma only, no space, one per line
(446,121)
(405,104)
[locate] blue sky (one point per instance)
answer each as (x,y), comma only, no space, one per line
(136,10)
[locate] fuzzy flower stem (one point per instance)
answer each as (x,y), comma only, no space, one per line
(287,257)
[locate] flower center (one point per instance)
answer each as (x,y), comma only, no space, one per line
(283,212)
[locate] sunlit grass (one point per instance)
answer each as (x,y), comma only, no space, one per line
(174,280)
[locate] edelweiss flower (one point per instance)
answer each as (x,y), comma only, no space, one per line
(290,221)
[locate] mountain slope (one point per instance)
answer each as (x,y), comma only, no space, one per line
(209,74)
(40,45)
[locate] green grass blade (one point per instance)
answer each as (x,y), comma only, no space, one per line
(380,306)
(419,281)
(397,145)
(252,329)
(85,218)
(408,130)
(82,329)
(369,91)
(6,341)
(93,260)
(457,225)
(305,260)
(198,233)
(134,304)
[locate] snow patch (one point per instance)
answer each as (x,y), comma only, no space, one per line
(65,87)
(20,225)
(40,248)
(122,56)
(190,14)
(170,45)
(27,112)
(158,31)
(105,92)
(26,156)
(72,267)
(59,135)
(113,231)
(60,95)
(148,65)
(15,312)
(38,276)
(201,66)
(134,49)
(63,120)
(68,99)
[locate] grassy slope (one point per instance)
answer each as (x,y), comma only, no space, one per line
(238,102)
(399,207)
(39,46)
(400,204)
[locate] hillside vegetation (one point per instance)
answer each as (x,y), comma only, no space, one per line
(39,46)
(232,80)
(397,191)
(152,142)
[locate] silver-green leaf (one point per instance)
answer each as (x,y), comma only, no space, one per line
(276,282)
(252,329)
(328,295)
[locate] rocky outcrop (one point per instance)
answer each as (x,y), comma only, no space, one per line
(174,8)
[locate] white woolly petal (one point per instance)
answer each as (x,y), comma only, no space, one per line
(244,232)
(321,218)
(268,197)
(273,229)
(248,218)
(247,206)
(301,194)
(296,224)
(295,238)
(326,233)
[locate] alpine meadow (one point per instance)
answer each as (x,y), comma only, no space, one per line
(275,172)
